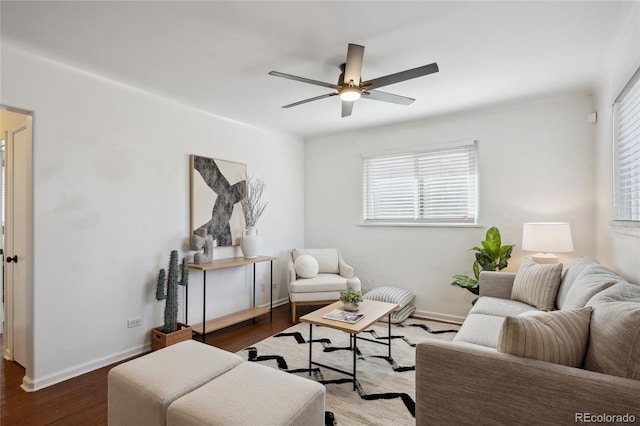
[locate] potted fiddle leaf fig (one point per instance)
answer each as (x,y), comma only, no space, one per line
(492,256)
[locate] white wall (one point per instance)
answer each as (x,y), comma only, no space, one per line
(111,200)
(535,162)
(619,250)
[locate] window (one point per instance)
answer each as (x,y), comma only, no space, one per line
(424,185)
(626,127)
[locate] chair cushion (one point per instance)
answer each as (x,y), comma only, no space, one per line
(559,336)
(306,266)
(592,280)
(537,284)
(321,282)
(614,342)
(328,259)
(573,270)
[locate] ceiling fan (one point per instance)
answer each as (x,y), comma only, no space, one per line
(350,86)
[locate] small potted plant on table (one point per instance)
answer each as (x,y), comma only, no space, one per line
(351,299)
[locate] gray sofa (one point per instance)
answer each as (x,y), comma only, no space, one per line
(476,379)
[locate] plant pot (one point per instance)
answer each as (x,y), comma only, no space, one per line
(251,242)
(351,307)
(161,340)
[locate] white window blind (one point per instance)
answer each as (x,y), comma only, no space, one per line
(425,185)
(626,110)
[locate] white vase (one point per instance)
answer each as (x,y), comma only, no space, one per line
(350,306)
(250,243)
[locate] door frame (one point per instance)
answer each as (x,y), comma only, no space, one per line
(9,331)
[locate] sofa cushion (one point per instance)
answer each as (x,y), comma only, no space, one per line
(559,336)
(306,266)
(500,307)
(572,271)
(592,280)
(537,284)
(328,259)
(480,329)
(614,343)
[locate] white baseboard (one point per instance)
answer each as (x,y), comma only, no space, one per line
(30,385)
(454,319)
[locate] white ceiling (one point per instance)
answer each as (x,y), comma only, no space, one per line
(215,56)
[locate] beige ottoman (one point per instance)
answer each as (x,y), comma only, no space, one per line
(251,394)
(140,390)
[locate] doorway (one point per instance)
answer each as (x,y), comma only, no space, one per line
(17,238)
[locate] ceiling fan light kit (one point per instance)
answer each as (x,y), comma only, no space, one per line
(350,86)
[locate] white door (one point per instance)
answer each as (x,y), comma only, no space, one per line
(17,240)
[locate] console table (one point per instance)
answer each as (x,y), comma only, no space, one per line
(236,317)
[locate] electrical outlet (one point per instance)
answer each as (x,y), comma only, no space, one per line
(274,285)
(134,323)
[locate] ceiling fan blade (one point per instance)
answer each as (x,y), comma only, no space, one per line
(309,100)
(304,80)
(347,107)
(377,95)
(400,76)
(353,66)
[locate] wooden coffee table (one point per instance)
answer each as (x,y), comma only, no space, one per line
(372,310)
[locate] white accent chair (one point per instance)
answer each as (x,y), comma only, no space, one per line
(323,288)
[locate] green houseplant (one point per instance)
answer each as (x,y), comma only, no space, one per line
(351,299)
(491,256)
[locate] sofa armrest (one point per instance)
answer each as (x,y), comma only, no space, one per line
(496,284)
(465,385)
(345,271)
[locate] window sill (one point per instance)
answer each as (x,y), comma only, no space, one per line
(421,225)
(628,227)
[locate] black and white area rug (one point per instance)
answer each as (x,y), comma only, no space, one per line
(385,392)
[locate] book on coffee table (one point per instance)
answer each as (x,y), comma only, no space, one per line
(343,316)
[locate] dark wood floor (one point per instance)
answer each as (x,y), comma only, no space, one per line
(83,400)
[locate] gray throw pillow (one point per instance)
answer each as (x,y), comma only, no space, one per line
(537,284)
(614,341)
(569,276)
(591,281)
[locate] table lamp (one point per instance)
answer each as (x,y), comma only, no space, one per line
(546,238)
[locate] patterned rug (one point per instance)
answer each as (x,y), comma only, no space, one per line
(385,392)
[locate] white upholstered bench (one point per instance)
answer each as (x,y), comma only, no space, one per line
(191,383)
(249,395)
(141,390)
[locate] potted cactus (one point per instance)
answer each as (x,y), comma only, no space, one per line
(167,289)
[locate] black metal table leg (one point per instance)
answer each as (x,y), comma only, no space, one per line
(204,304)
(271,293)
(355,350)
(389,333)
(310,342)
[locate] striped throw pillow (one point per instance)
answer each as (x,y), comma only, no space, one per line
(537,284)
(560,337)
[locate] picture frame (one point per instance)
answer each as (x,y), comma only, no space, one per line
(216,189)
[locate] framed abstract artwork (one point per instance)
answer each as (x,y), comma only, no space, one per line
(217,187)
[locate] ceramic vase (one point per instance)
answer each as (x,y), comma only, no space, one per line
(250,243)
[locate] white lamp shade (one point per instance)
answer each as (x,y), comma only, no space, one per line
(547,237)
